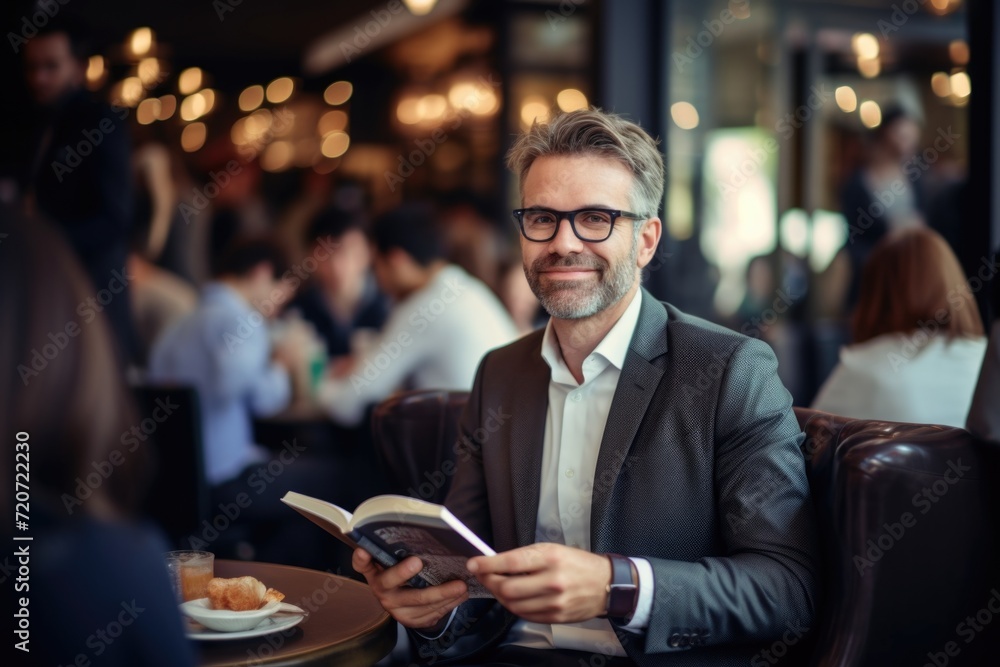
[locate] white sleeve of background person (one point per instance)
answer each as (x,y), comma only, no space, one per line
(390,358)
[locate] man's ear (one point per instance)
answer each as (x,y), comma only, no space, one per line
(398,258)
(649,240)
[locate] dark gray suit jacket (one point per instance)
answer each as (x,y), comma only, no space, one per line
(699,472)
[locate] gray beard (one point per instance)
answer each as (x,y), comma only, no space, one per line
(579,302)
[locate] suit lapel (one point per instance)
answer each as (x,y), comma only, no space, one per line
(527,437)
(636,386)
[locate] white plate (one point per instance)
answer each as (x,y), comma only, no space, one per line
(226,620)
(276,623)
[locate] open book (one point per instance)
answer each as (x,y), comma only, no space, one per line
(392,528)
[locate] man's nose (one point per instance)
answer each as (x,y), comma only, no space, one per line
(565,242)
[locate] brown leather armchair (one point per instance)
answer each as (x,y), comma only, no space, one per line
(908,516)
(414,433)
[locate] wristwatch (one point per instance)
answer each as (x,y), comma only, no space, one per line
(623,591)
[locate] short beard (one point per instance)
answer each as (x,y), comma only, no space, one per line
(576,302)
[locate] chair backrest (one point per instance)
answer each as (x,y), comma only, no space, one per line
(908,519)
(178,498)
(414,435)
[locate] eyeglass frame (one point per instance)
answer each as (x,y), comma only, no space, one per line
(518,214)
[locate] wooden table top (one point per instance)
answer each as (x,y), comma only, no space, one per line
(346,624)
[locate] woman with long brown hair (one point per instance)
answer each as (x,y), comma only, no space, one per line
(97,584)
(918,337)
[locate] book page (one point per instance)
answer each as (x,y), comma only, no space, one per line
(334,520)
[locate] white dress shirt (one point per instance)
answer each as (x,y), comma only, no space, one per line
(574,428)
(905,378)
(434,339)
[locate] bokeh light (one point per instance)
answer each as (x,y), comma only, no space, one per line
(338,92)
(190,80)
(335,144)
(684,115)
(571,99)
(846,98)
(280,90)
(193,137)
(871,114)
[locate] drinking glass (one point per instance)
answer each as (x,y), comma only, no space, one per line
(190,572)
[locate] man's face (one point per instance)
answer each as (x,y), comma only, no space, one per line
(575,279)
(268,294)
(348,263)
(903,138)
(50,68)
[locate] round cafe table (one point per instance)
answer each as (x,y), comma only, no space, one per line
(346,625)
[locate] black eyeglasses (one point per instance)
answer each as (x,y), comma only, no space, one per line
(594,224)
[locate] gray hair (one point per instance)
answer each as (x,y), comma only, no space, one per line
(595,132)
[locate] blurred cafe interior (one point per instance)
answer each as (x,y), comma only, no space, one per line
(249,248)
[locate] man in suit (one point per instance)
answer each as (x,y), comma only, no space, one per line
(79,171)
(624,427)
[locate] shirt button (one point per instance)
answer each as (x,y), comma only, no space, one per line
(570,473)
(577,397)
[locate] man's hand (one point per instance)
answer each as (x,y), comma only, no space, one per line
(418,608)
(341,367)
(554,583)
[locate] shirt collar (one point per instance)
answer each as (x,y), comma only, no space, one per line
(611,350)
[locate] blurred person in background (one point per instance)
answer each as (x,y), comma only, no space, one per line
(314,195)
(342,297)
(91,563)
(884,194)
(224,350)
(918,338)
(441,325)
(79,172)
(158,297)
(472,240)
(772,310)
(239,209)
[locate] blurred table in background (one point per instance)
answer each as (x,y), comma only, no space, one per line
(346,625)
(305,422)
(307,426)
